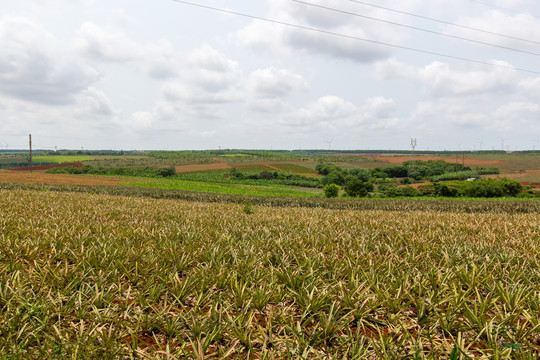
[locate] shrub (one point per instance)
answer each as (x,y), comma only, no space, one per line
(410,191)
(388,190)
(166,172)
(331,190)
(266,175)
(406,181)
(491,188)
(334,177)
(357,187)
(444,190)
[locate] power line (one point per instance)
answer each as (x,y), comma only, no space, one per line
(499,7)
(448,22)
(359,38)
(416,28)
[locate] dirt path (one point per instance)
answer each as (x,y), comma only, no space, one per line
(221,161)
(270,166)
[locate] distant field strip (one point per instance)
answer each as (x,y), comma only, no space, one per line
(62,159)
(238,189)
(60,179)
(467,161)
(201,167)
(491,206)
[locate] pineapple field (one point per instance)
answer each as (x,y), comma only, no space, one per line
(98,274)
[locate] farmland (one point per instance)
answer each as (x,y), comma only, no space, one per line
(62,159)
(225,188)
(224,260)
(101,276)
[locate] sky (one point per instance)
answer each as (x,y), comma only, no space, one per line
(270,74)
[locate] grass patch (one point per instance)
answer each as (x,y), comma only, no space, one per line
(236,156)
(295,169)
(61,159)
(217,188)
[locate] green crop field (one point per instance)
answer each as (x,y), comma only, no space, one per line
(62,159)
(96,276)
(217,188)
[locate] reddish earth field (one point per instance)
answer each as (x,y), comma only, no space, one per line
(58,179)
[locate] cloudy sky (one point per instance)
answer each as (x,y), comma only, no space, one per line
(133,74)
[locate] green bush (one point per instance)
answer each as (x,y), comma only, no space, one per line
(490,188)
(334,177)
(444,190)
(409,191)
(331,190)
(168,171)
(355,188)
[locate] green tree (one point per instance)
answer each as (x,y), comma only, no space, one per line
(335,177)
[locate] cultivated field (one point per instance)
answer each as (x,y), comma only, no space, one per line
(59,179)
(93,276)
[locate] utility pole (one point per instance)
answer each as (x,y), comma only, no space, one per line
(30,142)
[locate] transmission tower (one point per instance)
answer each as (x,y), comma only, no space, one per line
(413,147)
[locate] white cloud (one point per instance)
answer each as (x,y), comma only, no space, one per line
(95,103)
(439,79)
(530,87)
(521,25)
(210,78)
(175,79)
(330,108)
(34,66)
(274,83)
(107,44)
(333,115)
(514,115)
(268,105)
(260,35)
(142,120)
(163,61)
(515,4)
